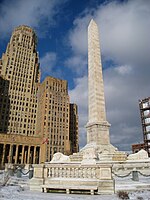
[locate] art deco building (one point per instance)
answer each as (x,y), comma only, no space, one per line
(30,112)
(20,66)
(53,116)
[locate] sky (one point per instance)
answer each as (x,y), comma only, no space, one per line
(61,28)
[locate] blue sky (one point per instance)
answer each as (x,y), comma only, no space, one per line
(61,27)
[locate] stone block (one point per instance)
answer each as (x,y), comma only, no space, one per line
(38,171)
(106,187)
(105,173)
(35,184)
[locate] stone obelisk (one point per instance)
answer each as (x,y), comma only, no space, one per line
(97,126)
(98,147)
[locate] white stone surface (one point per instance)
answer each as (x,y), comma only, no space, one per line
(97,126)
(59,157)
(142,154)
(95,80)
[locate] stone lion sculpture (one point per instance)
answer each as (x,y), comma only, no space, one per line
(141,155)
(60,158)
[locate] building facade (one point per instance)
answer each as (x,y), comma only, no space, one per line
(53,116)
(137,147)
(29,110)
(144,106)
(20,67)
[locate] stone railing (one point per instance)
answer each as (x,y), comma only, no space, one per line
(78,171)
(71,172)
(73,176)
(123,168)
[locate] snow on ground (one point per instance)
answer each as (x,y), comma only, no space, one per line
(16,193)
(17,189)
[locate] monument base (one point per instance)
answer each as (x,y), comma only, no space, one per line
(85,173)
(73,178)
(98,143)
(98,153)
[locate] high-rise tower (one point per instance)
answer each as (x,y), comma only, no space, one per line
(20,66)
(34,116)
(53,116)
(19,79)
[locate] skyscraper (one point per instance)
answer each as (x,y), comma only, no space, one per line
(53,116)
(34,116)
(20,66)
(19,71)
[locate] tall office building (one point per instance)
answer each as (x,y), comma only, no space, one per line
(34,116)
(144,105)
(53,116)
(20,66)
(19,71)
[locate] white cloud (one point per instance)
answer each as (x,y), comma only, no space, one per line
(79,96)
(48,59)
(125,69)
(77,64)
(78,35)
(34,13)
(122,95)
(79,93)
(77,38)
(124,39)
(47,65)
(124,29)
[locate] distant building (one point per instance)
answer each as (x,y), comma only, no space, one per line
(137,147)
(144,106)
(34,116)
(73,127)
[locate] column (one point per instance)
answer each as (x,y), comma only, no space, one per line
(34,155)
(16,154)
(28,155)
(3,155)
(22,155)
(10,154)
(25,154)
